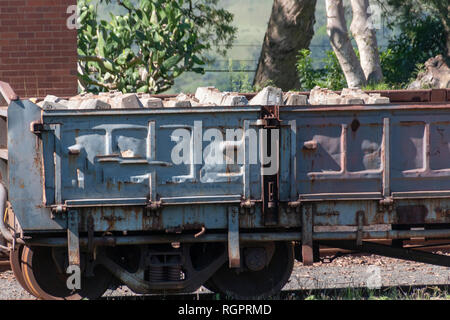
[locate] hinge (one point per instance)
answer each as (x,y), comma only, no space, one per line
(58,210)
(37,127)
(247,203)
(153,206)
(386,204)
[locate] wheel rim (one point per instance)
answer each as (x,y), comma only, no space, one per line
(211,286)
(41,275)
(257,284)
(15,260)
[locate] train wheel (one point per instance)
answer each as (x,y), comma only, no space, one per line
(42,275)
(247,284)
(15,260)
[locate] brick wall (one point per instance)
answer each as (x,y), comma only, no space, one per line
(38,52)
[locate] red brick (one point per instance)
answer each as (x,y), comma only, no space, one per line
(37,51)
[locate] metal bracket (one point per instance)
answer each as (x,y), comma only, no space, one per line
(307,235)
(234,256)
(73,240)
(248,204)
(294,204)
(58,210)
(153,205)
(386,204)
(37,127)
(359,232)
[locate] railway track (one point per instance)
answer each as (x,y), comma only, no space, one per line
(302,294)
(328,278)
(429,246)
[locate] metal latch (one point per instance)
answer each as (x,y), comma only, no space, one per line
(153,205)
(37,127)
(247,203)
(386,204)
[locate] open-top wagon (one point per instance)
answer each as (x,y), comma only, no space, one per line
(169,199)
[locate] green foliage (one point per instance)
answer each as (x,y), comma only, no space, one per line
(334,76)
(330,76)
(420,39)
(380,86)
(145,49)
(239,81)
(307,75)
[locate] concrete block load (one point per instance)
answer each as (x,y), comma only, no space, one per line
(211,96)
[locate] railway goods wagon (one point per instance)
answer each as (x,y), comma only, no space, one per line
(166,200)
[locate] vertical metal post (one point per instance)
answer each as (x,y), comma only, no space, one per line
(359,232)
(57,159)
(294,192)
(234,256)
(386,158)
(307,235)
(73,240)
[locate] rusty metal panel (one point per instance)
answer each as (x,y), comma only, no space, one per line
(372,151)
(118,162)
(120,154)
(26,180)
(4,145)
(420,158)
(116,166)
(342,148)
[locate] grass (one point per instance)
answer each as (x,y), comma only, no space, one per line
(380,86)
(390,293)
(436,292)
(387,293)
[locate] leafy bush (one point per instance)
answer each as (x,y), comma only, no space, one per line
(330,76)
(145,49)
(419,40)
(239,81)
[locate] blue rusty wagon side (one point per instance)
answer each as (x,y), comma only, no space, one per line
(359,167)
(112,162)
(169,199)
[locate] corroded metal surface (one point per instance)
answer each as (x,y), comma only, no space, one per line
(390,163)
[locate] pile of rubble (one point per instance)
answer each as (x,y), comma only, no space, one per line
(210,96)
(319,96)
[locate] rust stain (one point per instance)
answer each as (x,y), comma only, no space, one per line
(187,226)
(442,214)
(247,220)
(412,214)
(355,125)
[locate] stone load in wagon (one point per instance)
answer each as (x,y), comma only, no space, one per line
(210,96)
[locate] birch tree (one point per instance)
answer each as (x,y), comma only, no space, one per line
(363,31)
(341,44)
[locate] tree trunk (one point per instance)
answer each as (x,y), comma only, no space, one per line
(290,29)
(340,41)
(364,33)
